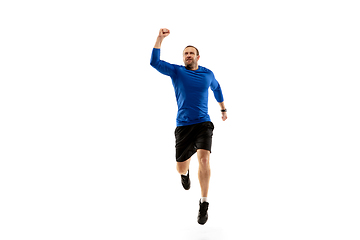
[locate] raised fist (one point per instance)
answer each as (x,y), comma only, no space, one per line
(164,32)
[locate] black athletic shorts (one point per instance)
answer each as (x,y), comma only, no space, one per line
(192,137)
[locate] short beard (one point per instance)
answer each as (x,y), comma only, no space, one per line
(191,65)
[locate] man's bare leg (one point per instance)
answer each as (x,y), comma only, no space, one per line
(183,167)
(204,170)
(204,179)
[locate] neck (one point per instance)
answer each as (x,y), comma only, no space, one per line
(192,68)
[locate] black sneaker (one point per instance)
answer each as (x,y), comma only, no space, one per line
(185,181)
(203,215)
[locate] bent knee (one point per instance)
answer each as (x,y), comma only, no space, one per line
(182,169)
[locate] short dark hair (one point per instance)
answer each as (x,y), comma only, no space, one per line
(197,51)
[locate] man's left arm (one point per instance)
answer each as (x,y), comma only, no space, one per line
(223,111)
(215,87)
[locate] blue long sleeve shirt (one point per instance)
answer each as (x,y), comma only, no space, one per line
(191,89)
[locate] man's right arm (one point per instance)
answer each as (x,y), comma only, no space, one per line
(163,33)
(162,66)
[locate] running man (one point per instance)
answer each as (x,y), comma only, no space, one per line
(194,128)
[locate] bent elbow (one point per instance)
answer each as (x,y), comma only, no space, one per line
(153,63)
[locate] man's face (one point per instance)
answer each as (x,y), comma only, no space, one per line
(190,58)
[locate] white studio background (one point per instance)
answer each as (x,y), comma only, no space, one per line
(86,126)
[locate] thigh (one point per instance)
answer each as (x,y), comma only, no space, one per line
(204,138)
(184,144)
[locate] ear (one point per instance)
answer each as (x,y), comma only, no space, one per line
(198,57)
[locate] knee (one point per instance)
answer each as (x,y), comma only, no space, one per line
(204,163)
(181,169)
